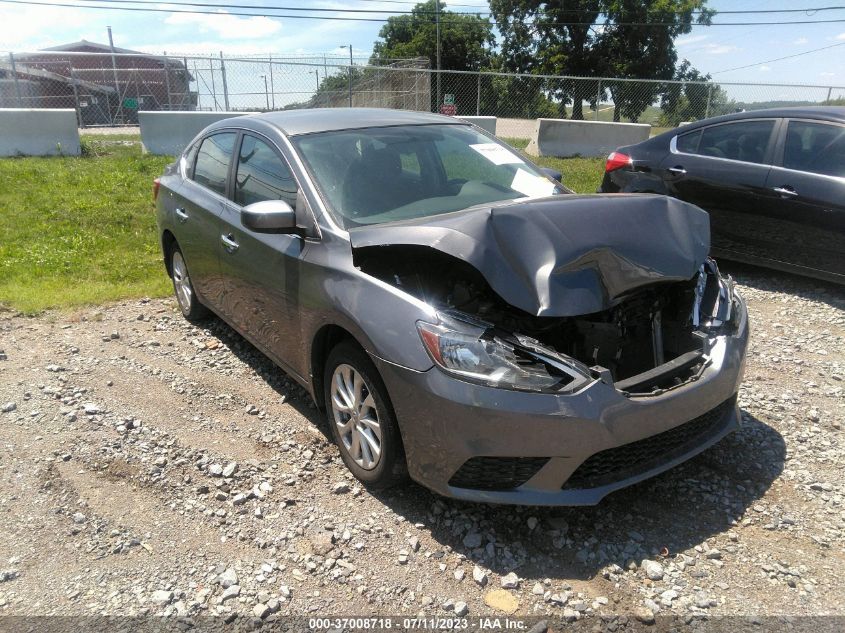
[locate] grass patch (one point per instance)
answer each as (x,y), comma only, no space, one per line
(582,175)
(79,230)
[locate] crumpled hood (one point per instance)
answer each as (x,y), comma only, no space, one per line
(566,255)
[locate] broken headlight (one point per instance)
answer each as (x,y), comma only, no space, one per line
(474,353)
(714,298)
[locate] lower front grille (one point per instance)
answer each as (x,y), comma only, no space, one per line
(628,460)
(496,473)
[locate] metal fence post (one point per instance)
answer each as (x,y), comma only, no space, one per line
(76,98)
(709,96)
(167,84)
(598,99)
(272,85)
(15,76)
(827,101)
(225,85)
(213,86)
(478,96)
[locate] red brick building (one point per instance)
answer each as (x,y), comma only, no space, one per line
(104,88)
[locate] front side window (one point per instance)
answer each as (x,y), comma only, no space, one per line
(212,166)
(262,175)
(376,175)
(744,140)
(815,147)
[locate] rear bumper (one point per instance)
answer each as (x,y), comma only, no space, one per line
(539,441)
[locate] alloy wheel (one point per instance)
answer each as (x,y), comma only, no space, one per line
(181,282)
(356,416)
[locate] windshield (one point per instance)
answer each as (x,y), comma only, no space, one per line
(376,175)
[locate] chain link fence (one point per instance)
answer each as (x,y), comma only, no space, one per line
(110,89)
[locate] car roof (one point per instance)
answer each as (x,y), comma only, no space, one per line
(828,113)
(309,121)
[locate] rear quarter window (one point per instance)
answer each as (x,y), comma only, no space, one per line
(212,166)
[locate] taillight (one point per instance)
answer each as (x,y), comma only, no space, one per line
(156,185)
(617,160)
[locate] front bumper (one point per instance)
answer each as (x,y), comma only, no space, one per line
(541,440)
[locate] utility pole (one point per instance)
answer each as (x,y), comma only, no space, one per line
(349,46)
(437,21)
(119,111)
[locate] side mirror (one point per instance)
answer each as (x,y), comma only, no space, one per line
(269,216)
(551,173)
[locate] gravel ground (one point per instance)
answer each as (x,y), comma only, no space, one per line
(148,466)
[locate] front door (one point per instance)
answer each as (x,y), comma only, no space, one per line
(261,270)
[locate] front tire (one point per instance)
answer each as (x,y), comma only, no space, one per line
(361,418)
(190,306)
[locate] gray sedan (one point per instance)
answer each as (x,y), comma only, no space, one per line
(459,315)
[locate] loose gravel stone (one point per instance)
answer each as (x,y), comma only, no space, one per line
(653,569)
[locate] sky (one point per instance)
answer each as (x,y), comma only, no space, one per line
(712,49)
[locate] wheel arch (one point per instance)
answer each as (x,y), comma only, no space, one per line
(326,339)
(168,243)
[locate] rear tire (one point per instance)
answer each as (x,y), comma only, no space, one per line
(186,297)
(361,418)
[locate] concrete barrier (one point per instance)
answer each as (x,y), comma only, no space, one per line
(564,137)
(487,123)
(169,132)
(38,132)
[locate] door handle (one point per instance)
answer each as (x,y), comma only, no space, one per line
(181,214)
(786,191)
(229,243)
(677,171)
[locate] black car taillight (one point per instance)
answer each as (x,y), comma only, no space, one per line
(156,185)
(617,160)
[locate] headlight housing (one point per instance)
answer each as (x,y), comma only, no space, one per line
(714,307)
(474,352)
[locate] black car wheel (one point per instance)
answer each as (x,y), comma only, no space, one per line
(361,418)
(190,306)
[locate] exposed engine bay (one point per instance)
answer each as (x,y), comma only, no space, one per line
(653,338)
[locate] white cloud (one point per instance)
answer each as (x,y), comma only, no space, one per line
(800,41)
(720,49)
(690,39)
(764,68)
(827,74)
(227,26)
(35,27)
(841,36)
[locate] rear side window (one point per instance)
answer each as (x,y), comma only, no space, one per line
(744,140)
(212,166)
(815,147)
(688,143)
(262,175)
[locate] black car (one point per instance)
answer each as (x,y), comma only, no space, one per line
(773,182)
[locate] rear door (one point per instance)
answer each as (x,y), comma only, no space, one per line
(197,211)
(261,270)
(808,211)
(723,169)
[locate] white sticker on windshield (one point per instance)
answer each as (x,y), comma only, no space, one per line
(530,185)
(496,154)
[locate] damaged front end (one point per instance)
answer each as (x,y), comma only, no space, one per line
(656,339)
(646,333)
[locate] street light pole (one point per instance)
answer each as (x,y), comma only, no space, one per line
(266,91)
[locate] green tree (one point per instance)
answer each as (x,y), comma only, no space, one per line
(691,96)
(466,41)
(589,38)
